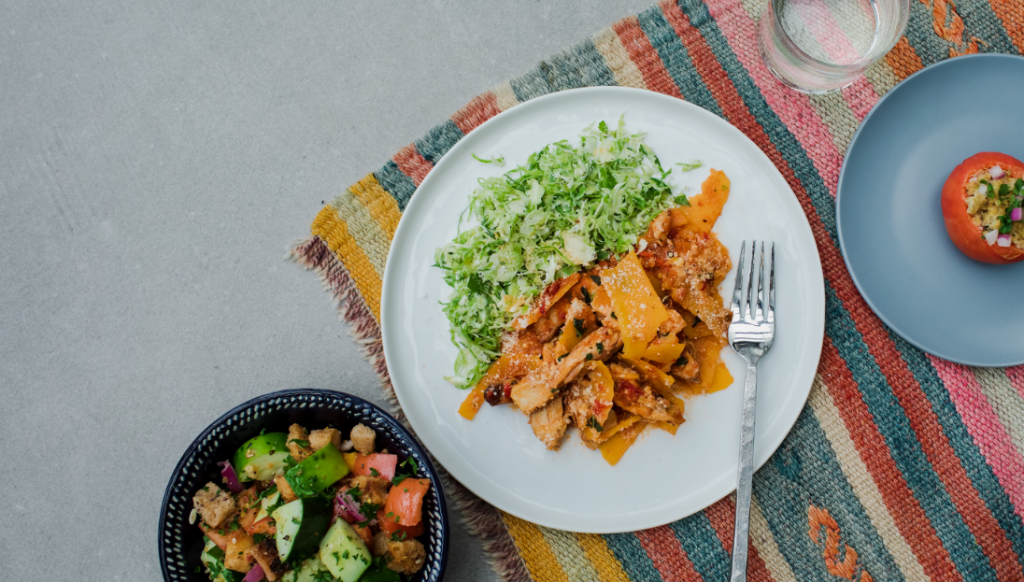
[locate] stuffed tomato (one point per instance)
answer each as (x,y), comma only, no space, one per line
(982,206)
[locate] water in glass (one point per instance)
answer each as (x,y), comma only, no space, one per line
(817,46)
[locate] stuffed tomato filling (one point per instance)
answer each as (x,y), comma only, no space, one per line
(994,198)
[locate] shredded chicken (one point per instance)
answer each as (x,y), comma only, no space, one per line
(642,401)
(539,386)
(549,423)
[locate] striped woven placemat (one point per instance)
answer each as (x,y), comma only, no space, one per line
(900,467)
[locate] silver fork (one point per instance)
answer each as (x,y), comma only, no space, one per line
(751,334)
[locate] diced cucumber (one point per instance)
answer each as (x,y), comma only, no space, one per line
(213,558)
(267,504)
(317,472)
(309,571)
(262,457)
(301,525)
(344,553)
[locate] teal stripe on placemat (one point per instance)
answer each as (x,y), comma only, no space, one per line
(894,426)
(677,61)
(635,561)
(438,141)
(700,540)
(804,471)
(395,183)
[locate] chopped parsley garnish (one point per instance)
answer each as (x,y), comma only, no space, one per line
(596,280)
(590,356)
(374,472)
(586,295)
(413,469)
(566,207)
(302,443)
(600,348)
(592,423)
(265,493)
(578,324)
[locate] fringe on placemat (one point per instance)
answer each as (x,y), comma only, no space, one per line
(480,518)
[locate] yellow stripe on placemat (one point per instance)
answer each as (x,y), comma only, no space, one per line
(536,552)
(381,205)
(364,229)
(333,230)
(609,569)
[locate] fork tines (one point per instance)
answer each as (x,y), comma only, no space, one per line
(741,302)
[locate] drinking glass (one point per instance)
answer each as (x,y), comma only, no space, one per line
(816,46)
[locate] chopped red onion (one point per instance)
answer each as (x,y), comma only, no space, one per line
(990,237)
(228,472)
(255,575)
(351,508)
(982,189)
(996,172)
(1003,240)
(1017,214)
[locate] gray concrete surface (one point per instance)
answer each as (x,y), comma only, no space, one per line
(157,158)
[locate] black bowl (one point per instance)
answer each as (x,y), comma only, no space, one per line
(181,542)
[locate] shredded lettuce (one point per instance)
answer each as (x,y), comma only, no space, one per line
(564,209)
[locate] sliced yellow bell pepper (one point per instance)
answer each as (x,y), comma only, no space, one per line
(637,307)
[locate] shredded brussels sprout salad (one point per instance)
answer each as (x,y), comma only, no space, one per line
(564,209)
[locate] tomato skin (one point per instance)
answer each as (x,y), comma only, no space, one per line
(389,526)
(964,233)
(405,500)
(384,464)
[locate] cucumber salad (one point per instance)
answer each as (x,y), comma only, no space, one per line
(310,507)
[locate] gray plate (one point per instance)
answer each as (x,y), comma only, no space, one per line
(889,217)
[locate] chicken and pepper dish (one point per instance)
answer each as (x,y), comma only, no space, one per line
(611,350)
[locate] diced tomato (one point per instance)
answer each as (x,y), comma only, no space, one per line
(365,533)
(220,539)
(384,464)
(263,526)
(965,234)
(248,517)
(389,526)
(405,500)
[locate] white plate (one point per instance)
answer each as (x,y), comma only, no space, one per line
(661,478)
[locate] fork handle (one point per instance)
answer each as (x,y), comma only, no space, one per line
(743,482)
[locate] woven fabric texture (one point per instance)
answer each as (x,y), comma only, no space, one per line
(901,466)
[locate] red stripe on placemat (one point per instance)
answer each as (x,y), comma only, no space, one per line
(643,55)
(477,111)
(904,508)
(412,164)
(722,517)
(668,555)
(718,83)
